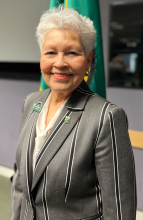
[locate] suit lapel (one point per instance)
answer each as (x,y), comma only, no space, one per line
(26,166)
(27,143)
(73,109)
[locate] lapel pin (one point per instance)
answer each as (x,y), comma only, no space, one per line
(67,119)
(37,107)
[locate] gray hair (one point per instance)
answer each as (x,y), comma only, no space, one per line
(69,19)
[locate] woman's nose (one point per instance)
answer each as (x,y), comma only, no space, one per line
(60,61)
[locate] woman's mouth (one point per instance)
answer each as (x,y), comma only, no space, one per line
(61,75)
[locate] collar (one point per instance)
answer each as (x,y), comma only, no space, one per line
(79,97)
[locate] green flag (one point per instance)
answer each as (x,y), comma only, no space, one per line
(96,77)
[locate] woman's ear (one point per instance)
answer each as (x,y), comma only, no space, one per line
(89,59)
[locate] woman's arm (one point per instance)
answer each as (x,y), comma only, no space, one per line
(115,168)
(16,188)
(16,195)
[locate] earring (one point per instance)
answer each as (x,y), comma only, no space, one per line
(87,73)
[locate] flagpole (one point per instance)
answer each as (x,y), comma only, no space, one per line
(66,3)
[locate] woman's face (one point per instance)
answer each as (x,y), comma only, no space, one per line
(63,62)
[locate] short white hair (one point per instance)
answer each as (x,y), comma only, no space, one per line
(69,19)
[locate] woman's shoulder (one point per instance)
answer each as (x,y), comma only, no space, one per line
(99,101)
(38,94)
(98,104)
(35,98)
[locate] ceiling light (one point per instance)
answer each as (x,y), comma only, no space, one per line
(129,44)
(134,44)
(116,26)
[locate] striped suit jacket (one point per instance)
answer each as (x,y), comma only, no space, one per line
(85,169)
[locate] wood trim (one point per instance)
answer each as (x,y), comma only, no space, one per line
(6,172)
(136,138)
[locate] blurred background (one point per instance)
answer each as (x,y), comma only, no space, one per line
(122,35)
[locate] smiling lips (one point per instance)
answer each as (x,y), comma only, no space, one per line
(61,75)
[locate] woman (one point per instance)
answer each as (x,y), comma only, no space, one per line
(74,159)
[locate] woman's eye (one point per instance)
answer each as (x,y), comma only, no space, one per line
(72,53)
(50,53)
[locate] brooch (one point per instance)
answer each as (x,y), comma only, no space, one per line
(67,119)
(37,107)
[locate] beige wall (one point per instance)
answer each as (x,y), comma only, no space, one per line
(18,22)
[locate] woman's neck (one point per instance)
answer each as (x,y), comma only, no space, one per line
(58,98)
(56,101)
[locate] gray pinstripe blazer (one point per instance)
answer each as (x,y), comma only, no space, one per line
(85,169)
